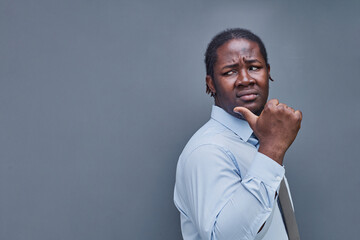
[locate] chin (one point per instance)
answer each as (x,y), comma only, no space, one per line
(255,107)
(252,106)
(255,110)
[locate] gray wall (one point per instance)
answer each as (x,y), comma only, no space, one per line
(98,98)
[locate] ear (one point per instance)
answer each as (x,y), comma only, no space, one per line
(210,84)
(268,69)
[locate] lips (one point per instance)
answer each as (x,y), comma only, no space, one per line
(248,96)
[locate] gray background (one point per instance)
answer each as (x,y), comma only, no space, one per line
(98,98)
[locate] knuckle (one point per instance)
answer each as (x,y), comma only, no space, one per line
(281,107)
(273,102)
(298,115)
(267,107)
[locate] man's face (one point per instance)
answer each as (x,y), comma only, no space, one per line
(241,77)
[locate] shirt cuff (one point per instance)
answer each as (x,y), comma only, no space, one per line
(267,170)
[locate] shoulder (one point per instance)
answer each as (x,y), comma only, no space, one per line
(211,135)
(215,147)
(212,145)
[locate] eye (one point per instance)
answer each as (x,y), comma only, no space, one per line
(229,73)
(254,68)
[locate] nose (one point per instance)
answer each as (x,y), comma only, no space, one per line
(244,79)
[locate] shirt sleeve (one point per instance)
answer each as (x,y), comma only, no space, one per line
(222,204)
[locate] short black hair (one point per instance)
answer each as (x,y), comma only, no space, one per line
(222,38)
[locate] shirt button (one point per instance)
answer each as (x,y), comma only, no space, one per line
(278,178)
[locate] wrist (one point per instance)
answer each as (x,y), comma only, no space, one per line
(273,152)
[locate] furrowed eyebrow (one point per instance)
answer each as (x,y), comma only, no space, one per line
(251,61)
(247,61)
(231,66)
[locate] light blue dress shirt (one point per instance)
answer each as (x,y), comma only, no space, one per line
(225,189)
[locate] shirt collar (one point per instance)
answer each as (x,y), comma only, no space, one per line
(238,126)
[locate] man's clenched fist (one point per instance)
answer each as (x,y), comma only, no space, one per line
(276,127)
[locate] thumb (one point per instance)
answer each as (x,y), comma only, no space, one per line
(248,115)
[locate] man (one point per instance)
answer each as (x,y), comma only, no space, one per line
(229,173)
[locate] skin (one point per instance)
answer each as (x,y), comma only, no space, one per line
(241,87)
(240,70)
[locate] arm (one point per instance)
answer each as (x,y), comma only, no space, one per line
(224,206)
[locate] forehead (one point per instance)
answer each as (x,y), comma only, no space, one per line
(236,49)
